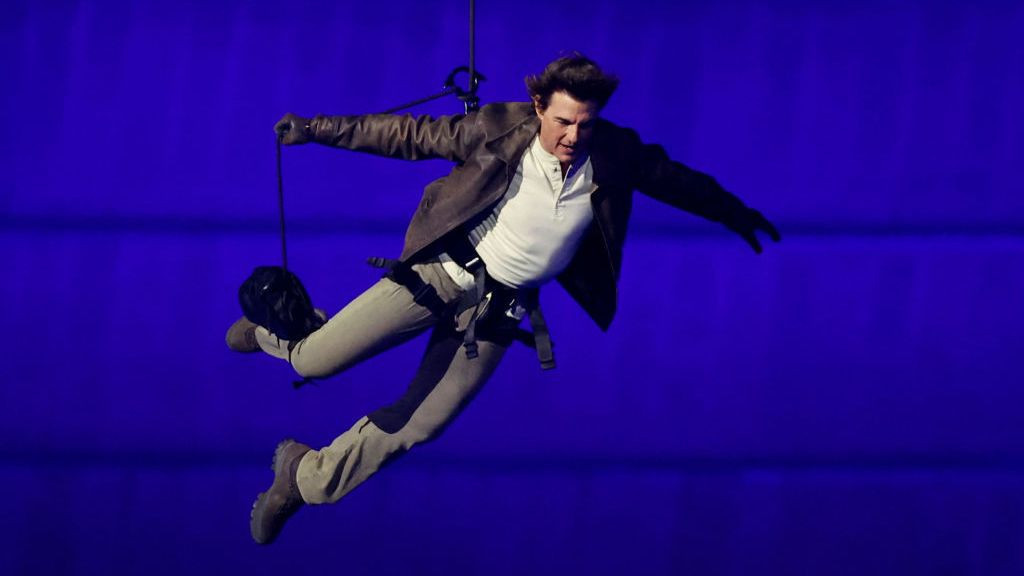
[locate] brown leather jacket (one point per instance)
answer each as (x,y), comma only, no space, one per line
(487,145)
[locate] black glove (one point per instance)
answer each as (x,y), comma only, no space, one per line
(747,221)
(293,129)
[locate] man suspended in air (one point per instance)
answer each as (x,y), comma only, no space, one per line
(540,190)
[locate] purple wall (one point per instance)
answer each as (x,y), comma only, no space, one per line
(848,403)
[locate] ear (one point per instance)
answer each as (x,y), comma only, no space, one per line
(537,107)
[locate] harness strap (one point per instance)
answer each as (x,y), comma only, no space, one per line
(422,293)
(463,253)
(542,339)
(479,282)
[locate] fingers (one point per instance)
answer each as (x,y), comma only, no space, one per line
(770,229)
(757,221)
(751,239)
(284,125)
(291,129)
(748,226)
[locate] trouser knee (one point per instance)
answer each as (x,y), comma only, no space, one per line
(418,434)
(310,363)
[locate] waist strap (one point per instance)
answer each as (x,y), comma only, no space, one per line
(503,299)
(495,297)
(422,293)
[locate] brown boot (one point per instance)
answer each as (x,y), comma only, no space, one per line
(273,507)
(241,336)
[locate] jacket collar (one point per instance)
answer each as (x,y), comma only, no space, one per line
(514,126)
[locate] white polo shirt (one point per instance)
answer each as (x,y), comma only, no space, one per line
(532,234)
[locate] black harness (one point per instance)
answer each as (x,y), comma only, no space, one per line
(498,304)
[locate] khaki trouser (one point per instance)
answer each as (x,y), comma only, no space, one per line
(381,318)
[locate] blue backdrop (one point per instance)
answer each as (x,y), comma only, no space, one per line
(847,403)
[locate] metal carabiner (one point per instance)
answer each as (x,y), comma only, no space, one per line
(468,95)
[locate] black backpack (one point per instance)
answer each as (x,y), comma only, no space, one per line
(275,299)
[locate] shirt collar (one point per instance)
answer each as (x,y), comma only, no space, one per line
(550,163)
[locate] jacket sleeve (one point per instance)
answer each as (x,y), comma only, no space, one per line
(658,176)
(404,137)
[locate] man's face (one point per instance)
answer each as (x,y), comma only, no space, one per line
(566,126)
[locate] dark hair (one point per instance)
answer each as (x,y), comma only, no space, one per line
(578,75)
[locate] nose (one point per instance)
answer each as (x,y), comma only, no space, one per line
(571,135)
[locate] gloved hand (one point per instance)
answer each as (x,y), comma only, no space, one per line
(747,221)
(293,129)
